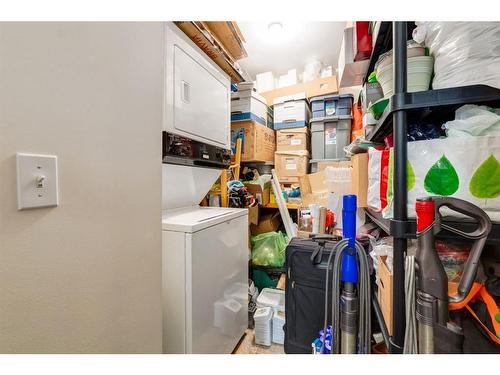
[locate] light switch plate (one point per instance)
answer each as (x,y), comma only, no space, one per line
(37,184)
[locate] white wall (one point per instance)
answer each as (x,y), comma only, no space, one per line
(85,276)
(298,44)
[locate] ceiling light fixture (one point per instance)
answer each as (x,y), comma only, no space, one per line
(275,28)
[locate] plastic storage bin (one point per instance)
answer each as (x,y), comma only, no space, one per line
(331,105)
(321,164)
(329,136)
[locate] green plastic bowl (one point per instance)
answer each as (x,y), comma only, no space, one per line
(378,107)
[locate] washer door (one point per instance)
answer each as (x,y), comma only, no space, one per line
(217,287)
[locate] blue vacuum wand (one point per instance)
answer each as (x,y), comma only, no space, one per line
(349,276)
(351,293)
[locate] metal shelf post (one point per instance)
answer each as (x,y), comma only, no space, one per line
(400,193)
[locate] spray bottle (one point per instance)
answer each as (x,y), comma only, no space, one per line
(431,280)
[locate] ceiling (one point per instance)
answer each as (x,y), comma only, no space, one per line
(295,45)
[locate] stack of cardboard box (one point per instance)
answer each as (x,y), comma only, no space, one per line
(293,137)
(250,121)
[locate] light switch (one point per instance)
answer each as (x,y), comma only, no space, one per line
(37,184)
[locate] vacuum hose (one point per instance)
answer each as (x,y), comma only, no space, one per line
(349,323)
(410,344)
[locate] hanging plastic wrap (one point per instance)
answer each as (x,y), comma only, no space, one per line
(465,53)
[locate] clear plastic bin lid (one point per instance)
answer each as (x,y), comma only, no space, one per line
(271,297)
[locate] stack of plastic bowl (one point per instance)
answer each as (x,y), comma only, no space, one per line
(419,73)
(278,323)
(263,326)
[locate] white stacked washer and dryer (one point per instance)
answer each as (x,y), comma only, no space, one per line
(205,249)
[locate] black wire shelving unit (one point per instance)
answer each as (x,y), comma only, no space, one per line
(433,106)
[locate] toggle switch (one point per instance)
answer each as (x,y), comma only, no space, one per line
(37,184)
(40,182)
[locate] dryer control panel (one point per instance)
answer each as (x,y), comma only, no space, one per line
(184,151)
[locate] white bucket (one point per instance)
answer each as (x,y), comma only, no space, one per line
(419,72)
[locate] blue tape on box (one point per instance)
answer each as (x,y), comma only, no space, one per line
(289,125)
(247,116)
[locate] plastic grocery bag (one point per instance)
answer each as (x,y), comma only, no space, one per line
(465,53)
(462,167)
(473,120)
(268,249)
(378,161)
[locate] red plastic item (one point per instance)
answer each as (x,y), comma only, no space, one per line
(425,213)
(363,40)
(384,181)
(329,220)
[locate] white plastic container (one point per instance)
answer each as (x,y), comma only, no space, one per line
(278,323)
(263,326)
(265,81)
(419,70)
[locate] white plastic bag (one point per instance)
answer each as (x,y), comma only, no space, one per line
(465,53)
(473,120)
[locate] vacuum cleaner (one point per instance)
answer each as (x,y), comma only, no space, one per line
(431,281)
(351,307)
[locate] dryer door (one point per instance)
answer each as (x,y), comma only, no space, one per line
(197,92)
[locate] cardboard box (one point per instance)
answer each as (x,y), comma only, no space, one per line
(296,139)
(253,215)
(291,111)
(359,182)
(314,189)
(267,223)
(199,33)
(248,105)
(317,87)
(384,282)
(303,234)
(229,34)
(291,164)
(259,141)
(281,282)
(289,180)
(360,178)
(261,193)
